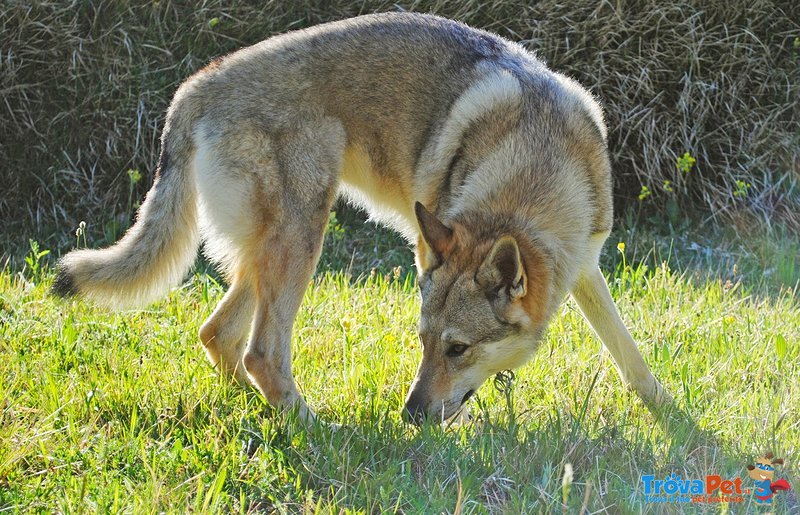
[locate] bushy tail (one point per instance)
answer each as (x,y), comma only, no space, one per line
(157,251)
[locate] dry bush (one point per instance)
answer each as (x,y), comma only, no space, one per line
(721,82)
(85,86)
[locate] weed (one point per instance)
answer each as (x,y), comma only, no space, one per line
(741,188)
(334,229)
(34,259)
(80,232)
(720,79)
(133,179)
(685,163)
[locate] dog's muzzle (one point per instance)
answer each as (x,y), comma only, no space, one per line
(415,415)
(414,410)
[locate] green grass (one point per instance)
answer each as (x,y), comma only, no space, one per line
(117,412)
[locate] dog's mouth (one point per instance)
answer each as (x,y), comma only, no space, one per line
(467,396)
(417,416)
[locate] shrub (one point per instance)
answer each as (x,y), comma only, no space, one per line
(85,86)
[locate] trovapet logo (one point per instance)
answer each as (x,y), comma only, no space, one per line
(714,488)
(711,489)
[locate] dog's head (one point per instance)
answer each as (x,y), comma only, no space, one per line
(485,300)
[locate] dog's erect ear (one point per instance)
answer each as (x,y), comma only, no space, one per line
(502,271)
(437,235)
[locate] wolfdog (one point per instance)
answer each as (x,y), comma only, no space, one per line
(494,166)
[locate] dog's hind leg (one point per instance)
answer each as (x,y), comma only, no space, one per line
(283,256)
(224,334)
(282,273)
(593,297)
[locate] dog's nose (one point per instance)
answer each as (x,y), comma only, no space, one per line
(414,415)
(414,411)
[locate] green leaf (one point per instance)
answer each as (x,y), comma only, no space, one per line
(781,347)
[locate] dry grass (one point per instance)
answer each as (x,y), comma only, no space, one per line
(84,86)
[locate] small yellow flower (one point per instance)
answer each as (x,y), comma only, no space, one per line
(134,176)
(685,163)
(621,246)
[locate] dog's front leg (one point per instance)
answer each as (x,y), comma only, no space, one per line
(593,297)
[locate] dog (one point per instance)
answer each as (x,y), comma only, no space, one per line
(494,166)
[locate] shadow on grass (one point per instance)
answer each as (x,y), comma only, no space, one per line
(508,462)
(760,263)
(502,462)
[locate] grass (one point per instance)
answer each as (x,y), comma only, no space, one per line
(109,412)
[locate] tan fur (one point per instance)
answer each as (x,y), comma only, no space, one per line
(495,166)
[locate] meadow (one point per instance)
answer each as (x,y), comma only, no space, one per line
(121,412)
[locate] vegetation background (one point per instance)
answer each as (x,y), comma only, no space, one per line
(85,86)
(120,412)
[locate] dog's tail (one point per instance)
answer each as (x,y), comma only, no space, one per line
(158,250)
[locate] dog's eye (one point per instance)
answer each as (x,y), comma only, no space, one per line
(457,349)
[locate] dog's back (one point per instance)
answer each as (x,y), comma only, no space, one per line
(393,81)
(390,79)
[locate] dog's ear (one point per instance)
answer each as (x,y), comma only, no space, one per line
(769,455)
(777,461)
(502,272)
(751,467)
(437,235)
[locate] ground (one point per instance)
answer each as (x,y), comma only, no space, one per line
(121,411)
